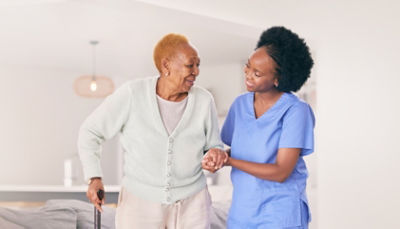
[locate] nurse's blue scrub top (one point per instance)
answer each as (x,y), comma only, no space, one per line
(258,203)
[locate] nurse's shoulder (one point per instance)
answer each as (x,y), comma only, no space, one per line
(299,107)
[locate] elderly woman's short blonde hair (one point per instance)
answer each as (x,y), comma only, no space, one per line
(167,46)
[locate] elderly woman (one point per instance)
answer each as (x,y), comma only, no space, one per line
(269,131)
(166,124)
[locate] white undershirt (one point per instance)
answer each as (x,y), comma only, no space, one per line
(171,112)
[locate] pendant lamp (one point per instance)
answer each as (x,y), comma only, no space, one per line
(93,86)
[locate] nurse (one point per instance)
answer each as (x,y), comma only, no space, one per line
(269,131)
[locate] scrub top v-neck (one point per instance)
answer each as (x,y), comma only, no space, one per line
(289,123)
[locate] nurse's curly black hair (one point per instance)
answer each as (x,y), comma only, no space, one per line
(291,55)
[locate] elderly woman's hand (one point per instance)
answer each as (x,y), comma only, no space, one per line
(214,159)
(208,164)
(95,185)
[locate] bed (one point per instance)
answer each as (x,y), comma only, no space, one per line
(74,213)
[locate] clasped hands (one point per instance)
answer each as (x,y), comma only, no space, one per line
(214,159)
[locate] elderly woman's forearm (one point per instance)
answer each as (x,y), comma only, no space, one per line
(89,148)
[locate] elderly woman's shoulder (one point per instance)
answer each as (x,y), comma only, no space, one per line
(142,81)
(201,92)
(139,83)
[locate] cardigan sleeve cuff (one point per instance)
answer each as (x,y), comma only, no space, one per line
(92,169)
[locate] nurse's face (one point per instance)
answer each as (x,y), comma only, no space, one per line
(260,72)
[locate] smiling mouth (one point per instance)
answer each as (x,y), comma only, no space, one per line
(249,84)
(191,82)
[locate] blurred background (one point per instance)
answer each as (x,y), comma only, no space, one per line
(353,89)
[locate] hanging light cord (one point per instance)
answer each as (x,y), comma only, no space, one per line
(94,43)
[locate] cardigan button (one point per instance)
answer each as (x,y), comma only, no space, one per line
(171,140)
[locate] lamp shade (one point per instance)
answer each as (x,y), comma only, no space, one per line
(93,87)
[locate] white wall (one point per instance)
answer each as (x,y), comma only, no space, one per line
(358,116)
(224,81)
(40,118)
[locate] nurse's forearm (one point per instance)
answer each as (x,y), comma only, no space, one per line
(279,171)
(270,172)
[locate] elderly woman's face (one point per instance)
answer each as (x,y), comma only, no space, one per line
(260,71)
(184,67)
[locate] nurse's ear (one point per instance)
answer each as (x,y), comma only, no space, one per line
(276,82)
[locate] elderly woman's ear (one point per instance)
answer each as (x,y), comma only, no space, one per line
(165,66)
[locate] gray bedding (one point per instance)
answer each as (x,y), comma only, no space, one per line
(68,214)
(60,214)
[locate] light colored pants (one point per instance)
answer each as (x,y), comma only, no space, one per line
(192,212)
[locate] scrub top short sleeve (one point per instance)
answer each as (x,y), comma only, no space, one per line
(298,129)
(228,127)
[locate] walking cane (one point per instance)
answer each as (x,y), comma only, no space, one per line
(97,213)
